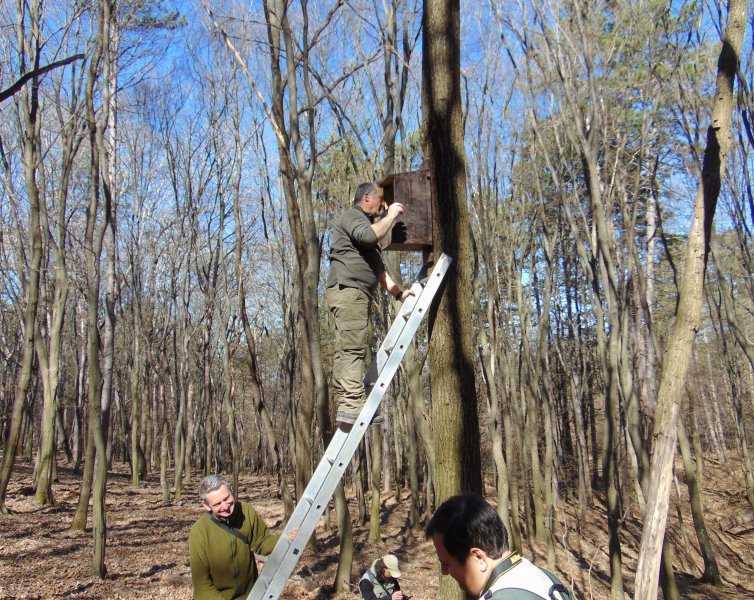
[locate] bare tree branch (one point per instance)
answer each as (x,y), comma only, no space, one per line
(9,92)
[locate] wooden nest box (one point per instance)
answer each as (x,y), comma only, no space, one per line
(413,229)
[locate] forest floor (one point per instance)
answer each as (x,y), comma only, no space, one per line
(147,555)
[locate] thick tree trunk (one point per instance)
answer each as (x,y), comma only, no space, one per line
(454,403)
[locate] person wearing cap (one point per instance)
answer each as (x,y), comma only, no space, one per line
(471,543)
(356,268)
(380,582)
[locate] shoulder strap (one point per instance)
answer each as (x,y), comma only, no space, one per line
(557,587)
(501,569)
(229,529)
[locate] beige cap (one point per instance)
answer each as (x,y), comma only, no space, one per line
(391,562)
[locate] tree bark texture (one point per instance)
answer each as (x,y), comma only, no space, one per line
(454,402)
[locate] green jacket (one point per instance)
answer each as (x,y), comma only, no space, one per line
(355,257)
(222,566)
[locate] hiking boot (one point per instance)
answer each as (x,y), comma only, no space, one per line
(348,418)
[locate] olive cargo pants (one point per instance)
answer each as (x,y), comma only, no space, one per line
(349,308)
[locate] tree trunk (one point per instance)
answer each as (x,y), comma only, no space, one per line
(257,390)
(345,538)
(490,372)
(78,522)
(135,374)
(31,160)
(80,433)
(49,347)
(165,464)
(374,513)
(711,573)
(681,339)
(454,405)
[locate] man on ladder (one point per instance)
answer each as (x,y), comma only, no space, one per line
(355,269)
(347,437)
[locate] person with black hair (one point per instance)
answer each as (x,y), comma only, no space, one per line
(471,543)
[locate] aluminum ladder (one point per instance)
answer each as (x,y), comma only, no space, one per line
(343,445)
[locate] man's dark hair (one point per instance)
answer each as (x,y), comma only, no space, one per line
(363,190)
(466,521)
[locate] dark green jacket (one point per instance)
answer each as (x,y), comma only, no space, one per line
(222,566)
(355,258)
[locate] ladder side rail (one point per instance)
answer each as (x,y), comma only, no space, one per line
(291,550)
(333,448)
(392,335)
(343,446)
(407,333)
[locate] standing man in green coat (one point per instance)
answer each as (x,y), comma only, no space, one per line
(222,543)
(356,268)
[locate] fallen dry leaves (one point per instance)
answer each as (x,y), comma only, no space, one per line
(147,555)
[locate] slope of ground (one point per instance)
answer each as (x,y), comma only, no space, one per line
(147,555)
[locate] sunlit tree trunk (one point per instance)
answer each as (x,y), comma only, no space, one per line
(251,359)
(79,432)
(49,347)
(681,339)
(374,512)
(138,464)
(165,464)
(99,367)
